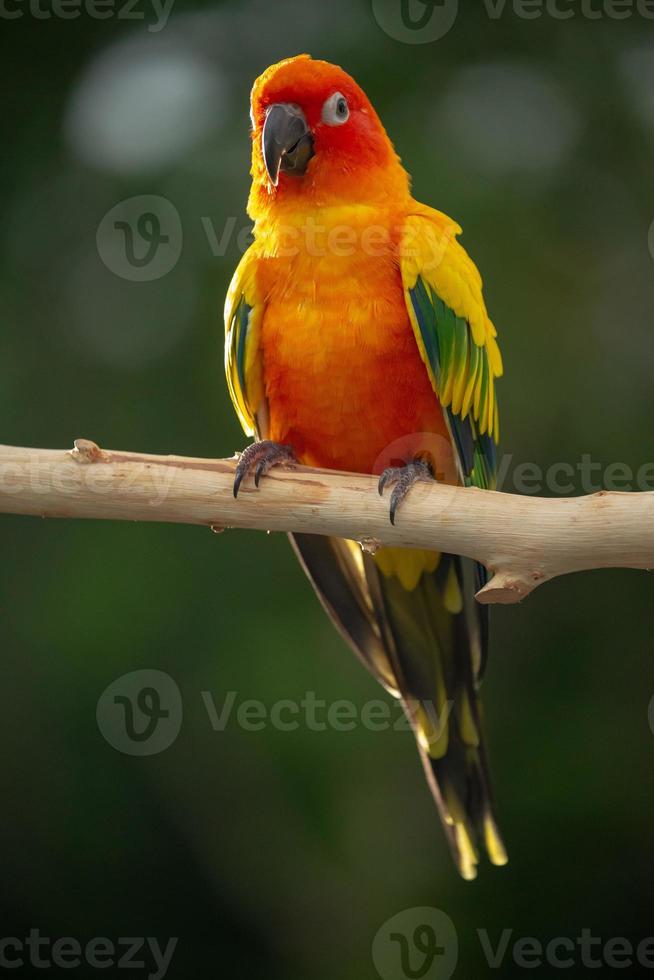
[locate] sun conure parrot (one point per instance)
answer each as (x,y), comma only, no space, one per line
(357,337)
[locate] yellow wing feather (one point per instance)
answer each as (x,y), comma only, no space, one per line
(243,361)
(431,253)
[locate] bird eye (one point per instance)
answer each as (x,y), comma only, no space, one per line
(335,111)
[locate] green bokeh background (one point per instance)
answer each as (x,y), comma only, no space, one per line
(280,854)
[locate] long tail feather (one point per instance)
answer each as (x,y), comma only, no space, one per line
(410,618)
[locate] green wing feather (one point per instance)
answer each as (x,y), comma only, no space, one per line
(462,378)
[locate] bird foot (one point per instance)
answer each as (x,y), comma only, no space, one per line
(261,457)
(402,478)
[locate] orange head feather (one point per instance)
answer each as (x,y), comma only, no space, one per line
(351,158)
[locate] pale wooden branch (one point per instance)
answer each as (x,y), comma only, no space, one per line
(523,541)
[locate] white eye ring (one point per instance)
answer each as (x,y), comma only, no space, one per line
(336,111)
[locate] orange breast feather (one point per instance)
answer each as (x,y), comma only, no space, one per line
(342,371)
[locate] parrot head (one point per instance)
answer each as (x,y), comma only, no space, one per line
(316,137)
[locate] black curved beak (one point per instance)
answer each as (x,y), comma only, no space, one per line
(286,141)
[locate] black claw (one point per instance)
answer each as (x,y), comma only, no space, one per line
(396,496)
(259,472)
(238,479)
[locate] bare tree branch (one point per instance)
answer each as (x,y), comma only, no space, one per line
(523,541)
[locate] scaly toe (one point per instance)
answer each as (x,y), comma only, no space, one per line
(403,479)
(262,456)
(390,475)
